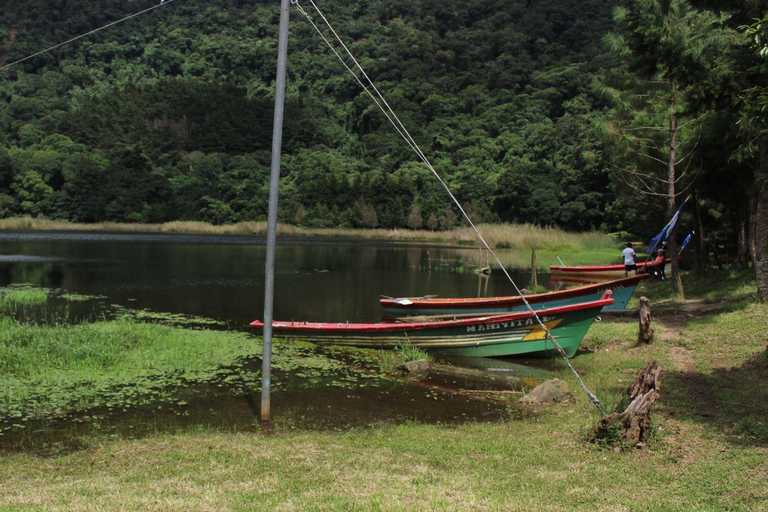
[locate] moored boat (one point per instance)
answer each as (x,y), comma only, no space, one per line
(508,334)
(622,290)
(604,272)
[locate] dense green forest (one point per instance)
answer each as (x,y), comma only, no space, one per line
(169,116)
(584,114)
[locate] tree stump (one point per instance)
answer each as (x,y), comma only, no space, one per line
(631,427)
(645,331)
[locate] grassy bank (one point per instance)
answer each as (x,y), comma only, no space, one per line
(708,452)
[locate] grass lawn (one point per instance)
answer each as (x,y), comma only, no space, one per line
(709,450)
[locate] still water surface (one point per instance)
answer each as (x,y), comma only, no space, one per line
(222,277)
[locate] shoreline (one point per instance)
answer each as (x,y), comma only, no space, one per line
(461,236)
(513,243)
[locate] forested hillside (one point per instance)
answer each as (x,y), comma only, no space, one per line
(169,115)
(584,114)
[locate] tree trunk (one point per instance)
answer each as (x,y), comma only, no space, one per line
(677,283)
(753,228)
(717,259)
(742,255)
(701,254)
(634,423)
(761,222)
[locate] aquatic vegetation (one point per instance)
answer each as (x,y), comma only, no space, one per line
(58,368)
(135,372)
(27,303)
(22,295)
(408,352)
(146,315)
(54,371)
(77,297)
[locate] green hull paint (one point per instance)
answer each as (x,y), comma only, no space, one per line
(485,340)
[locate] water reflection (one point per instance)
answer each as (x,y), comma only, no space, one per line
(222,277)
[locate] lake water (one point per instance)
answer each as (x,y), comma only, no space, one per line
(222,277)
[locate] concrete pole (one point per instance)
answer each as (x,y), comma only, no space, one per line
(274,181)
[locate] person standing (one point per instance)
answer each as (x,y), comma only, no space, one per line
(629,259)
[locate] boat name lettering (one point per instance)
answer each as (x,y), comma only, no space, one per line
(499,325)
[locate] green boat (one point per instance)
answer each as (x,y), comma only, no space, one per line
(508,334)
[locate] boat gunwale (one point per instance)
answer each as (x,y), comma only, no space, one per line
(420,326)
(484,302)
(601,268)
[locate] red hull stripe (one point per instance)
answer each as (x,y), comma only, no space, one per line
(415,326)
(597,268)
(484,302)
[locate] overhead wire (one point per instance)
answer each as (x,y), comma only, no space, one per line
(161,4)
(402,130)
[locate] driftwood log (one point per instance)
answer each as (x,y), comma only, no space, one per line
(645,331)
(632,426)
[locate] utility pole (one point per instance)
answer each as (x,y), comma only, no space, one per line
(274,181)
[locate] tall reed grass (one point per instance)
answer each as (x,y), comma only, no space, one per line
(498,236)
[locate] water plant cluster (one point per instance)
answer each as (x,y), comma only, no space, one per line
(58,370)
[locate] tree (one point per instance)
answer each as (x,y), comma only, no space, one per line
(415,219)
(744,137)
(432,222)
(32,191)
(368,216)
(448,219)
(301,212)
(667,46)
(755,102)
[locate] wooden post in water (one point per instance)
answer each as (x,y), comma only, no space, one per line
(534,277)
(274,180)
(645,331)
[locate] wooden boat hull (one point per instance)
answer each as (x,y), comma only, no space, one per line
(509,334)
(604,272)
(622,290)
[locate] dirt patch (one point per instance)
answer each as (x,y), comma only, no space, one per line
(688,310)
(694,383)
(683,359)
(697,309)
(668,333)
(674,321)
